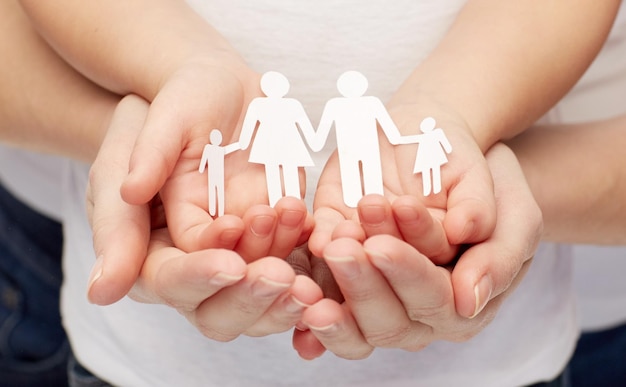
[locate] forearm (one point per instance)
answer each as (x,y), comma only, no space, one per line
(129,46)
(44,104)
(503,64)
(578,177)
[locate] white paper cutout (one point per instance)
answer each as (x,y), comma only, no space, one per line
(277,143)
(213,156)
(431,154)
(355,116)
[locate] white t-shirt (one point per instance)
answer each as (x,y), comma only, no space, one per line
(33,178)
(131,344)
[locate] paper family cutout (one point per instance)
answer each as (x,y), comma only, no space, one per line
(280,123)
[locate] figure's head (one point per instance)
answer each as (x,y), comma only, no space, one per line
(352,84)
(428,125)
(215,137)
(274,84)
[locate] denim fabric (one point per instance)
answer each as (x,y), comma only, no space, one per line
(79,376)
(33,345)
(600,359)
(563,380)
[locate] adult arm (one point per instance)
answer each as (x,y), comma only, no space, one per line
(578,176)
(130,46)
(45,105)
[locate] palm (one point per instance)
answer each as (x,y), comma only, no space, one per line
(185,190)
(465,185)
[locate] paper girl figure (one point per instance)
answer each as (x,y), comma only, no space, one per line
(278,144)
(355,117)
(213,156)
(431,154)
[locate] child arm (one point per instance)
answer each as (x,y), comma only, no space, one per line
(503,64)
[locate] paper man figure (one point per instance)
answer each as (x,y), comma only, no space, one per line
(213,155)
(278,144)
(431,154)
(355,117)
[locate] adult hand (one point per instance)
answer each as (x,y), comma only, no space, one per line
(396,297)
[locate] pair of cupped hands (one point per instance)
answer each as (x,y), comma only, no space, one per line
(398,271)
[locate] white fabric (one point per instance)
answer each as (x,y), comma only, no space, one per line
(33,178)
(312,43)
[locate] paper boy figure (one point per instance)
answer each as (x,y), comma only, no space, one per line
(431,154)
(278,144)
(355,117)
(213,156)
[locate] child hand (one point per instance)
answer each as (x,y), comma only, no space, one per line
(122,231)
(192,103)
(463,212)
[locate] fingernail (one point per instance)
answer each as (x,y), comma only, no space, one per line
(347,266)
(482,292)
(380,260)
(406,214)
(372,215)
(222,279)
(325,329)
(262,225)
(96,271)
(293,305)
(265,287)
(229,236)
(291,218)
(301,326)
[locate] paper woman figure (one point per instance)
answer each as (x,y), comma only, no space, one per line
(213,156)
(431,154)
(355,116)
(277,144)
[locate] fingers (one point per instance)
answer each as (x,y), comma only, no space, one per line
(120,230)
(287,310)
(306,344)
(376,216)
(292,218)
(260,224)
(326,220)
(367,293)
(471,208)
(497,265)
(409,219)
(330,225)
(154,155)
(334,329)
(470,204)
(423,288)
(236,308)
(183,281)
(422,229)
(220,294)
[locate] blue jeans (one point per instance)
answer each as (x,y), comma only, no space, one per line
(33,346)
(600,359)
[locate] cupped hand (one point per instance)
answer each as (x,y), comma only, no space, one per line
(396,297)
(123,231)
(463,212)
(195,100)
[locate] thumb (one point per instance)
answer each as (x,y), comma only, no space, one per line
(120,230)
